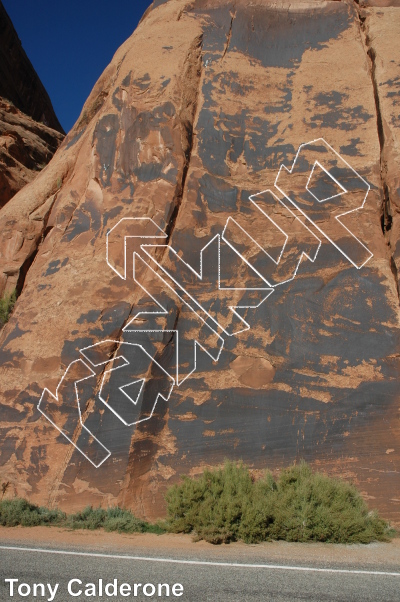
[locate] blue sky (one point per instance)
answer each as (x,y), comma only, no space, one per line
(70,44)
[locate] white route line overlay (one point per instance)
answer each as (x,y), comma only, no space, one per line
(337,217)
(276,567)
(182,292)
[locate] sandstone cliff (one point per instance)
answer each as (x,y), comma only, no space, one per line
(263,322)
(30,132)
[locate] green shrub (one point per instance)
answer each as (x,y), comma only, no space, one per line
(112,519)
(314,507)
(7,303)
(227,505)
(123,521)
(211,506)
(89,518)
(20,512)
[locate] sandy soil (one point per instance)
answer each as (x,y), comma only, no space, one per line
(181,546)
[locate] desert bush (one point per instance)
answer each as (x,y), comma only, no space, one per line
(123,521)
(314,507)
(7,303)
(89,518)
(212,505)
(112,519)
(20,512)
(226,505)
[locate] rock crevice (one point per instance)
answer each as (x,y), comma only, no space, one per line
(191,83)
(386,206)
(229,36)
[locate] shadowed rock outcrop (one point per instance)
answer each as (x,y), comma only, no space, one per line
(30,132)
(26,147)
(19,82)
(285,276)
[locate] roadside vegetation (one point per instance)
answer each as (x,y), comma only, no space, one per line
(7,303)
(18,511)
(229,504)
(112,519)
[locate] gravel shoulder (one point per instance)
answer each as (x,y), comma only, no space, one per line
(376,555)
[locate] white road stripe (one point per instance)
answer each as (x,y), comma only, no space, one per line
(277,567)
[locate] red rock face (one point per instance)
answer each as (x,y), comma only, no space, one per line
(262,323)
(30,132)
(26,146)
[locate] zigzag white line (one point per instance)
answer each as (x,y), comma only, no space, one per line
(79,411)
(161,234)
(334,196)
(303,254)
(163,311)
(338,216)
(123,366)
(199,275)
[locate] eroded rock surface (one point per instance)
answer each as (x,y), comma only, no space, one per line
(26,147)
(30,132)
(196,114)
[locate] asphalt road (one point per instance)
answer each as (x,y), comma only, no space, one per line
(201,582)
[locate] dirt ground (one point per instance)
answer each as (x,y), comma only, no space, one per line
(181,546)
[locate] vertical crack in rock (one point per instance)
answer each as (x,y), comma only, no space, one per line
(190,94)
(88,410)
(145,442)
(386,214)
(386,218)
(229,36)
(39,213)
(24,269)
(90,404)
(28,262)
(395,273)
(191,84)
